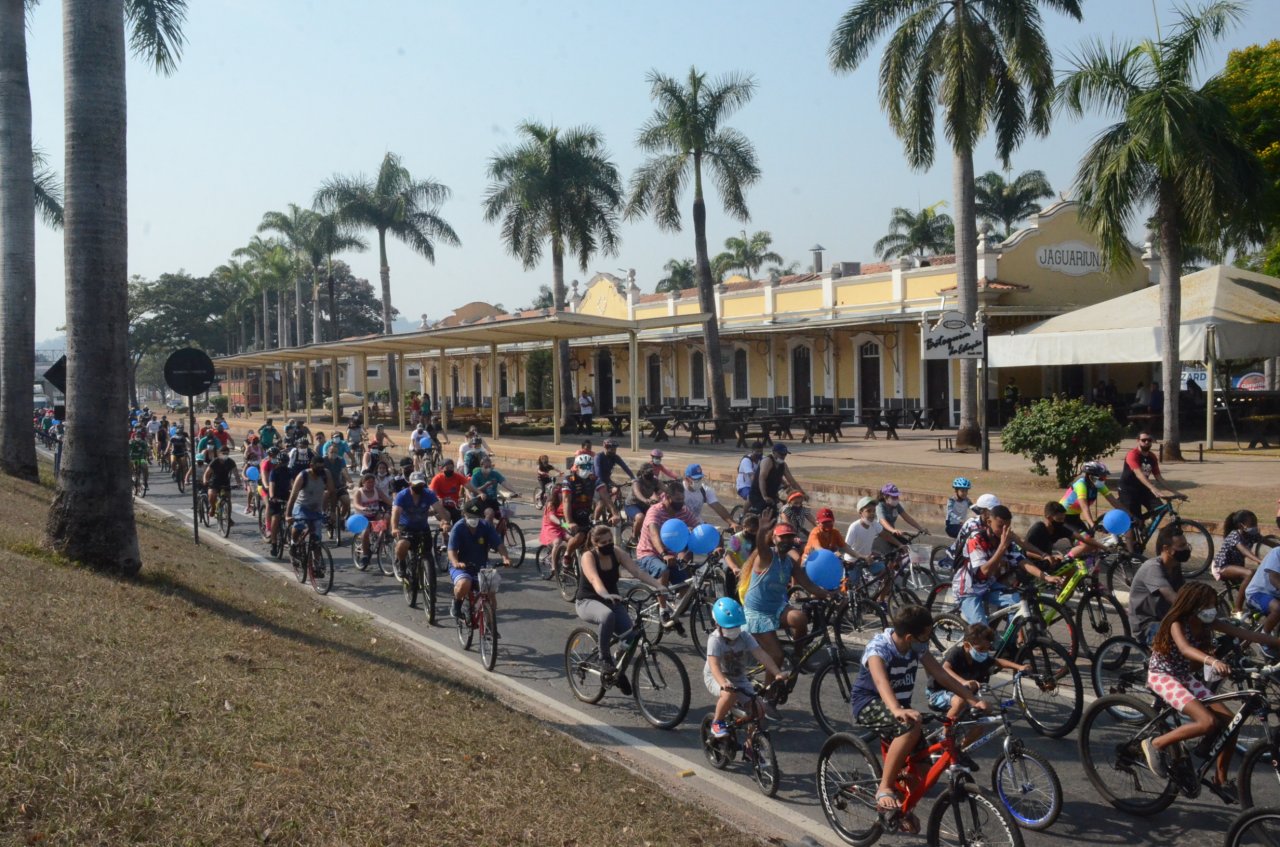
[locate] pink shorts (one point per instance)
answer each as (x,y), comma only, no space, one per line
(1177,692)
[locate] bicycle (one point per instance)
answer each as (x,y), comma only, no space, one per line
(311,559)
(1257,826)
(1114,727)
(179,467)
(512,535)
(381,546)
(203,507)
(224,511)
(659,683)
(479,615)
(419,575)
(1096,610)
(697,594)
(140,485)
(848,777)
(1144,532)
(756,746)
(1053,617)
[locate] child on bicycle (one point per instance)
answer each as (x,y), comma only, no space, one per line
(888,510)
(1184,638)
(1239,532)
(725,671)
(825,536)
(958,506)
(972,662)
(554,532)
(880,697)
(546,473)
(737,550)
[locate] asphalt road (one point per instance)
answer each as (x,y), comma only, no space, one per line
(535,621)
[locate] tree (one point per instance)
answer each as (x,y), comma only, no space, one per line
(48,191)
(239,278)
(357,304)
(917,233)
(546,298)
(747,254)
(1176,148)
(557,188)
(681,274)
(983,64)
(297,228)
(778,271)
(1007,203)
(91,518)
(331,237)
(683,136)
(392,202)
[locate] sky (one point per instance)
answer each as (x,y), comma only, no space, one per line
(274,96)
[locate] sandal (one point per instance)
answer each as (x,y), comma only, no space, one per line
(888,795)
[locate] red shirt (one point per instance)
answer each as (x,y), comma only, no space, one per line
(447,488)
(1134,460)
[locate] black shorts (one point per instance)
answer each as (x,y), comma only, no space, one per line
(1138,501)
(275,508)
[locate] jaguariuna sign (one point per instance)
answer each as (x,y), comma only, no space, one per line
(951,338)
(1073,258)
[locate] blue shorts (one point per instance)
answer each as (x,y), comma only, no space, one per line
(315,520)
(633,512)
(973,607)
(745,492)
(1260,600)
(456,574)
(763,622)
(940,699)
(655,567)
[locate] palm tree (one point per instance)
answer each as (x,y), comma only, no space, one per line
(91,518)
(239,277)
(48,190)
(330,237)
(917,233)
(1007,203)
(683,136)
(1174,147)
(297,228)
(681,274)
(779,270)
(984,64)
(546,298)
(558,188)
(392,202)
(747,254)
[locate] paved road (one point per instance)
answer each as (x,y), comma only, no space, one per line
(535,622)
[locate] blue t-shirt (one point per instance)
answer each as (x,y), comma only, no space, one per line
(282,479)
(414,515)
(343,447)
(487,484)
(1260,583)
(604,465)
(767,592)
(473,545)
(901,668)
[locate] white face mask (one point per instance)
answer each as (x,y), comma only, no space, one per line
(1207,615)
(866,521)
(584,473)
(695,485)
(473,522)
(891,501)
(731,632)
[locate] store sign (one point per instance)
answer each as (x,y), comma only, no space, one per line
(1073,258)
(951,338)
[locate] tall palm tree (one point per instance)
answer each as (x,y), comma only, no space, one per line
(917,233)
(1174,147)
(330,237)
(681,274)
(1006,203)
(392,202)
(91,518)
(683,136)
(984,64)
(747,254)
(556,188)
(297,228)
(241,279)
(263,262)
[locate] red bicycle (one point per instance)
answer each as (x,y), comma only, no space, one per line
(849,778)
(479,617)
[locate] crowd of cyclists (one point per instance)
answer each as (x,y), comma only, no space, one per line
(602,522)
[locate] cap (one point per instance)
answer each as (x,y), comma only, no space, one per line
(609,442)
(783,529)
(780,448)
(825,515)
(865,502)
(417,478)
(986,501)
(693,471)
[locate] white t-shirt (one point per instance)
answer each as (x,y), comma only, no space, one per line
(860,537)
(1260,582)
(695,500)
(746,470)
(153,426)
(585,404)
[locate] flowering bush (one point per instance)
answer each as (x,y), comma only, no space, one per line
(1068,431)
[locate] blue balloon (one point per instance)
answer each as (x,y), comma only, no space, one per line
(425,442)
(223,425)
(703,539)
(252,474)
(824,569)
(674,535)
(357,524)
(1117,521)
(173,430)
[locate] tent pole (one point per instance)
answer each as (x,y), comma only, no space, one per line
(1209,373)
(336,393)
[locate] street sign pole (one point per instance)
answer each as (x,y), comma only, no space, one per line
(195,498)
(986,412)
(190,372)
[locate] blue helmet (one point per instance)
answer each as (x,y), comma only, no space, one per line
(961,482)
(727,612)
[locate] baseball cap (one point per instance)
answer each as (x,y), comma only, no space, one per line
(825,515)
(693,471)
(417,478)
(780,448)
(986,501)
(865,502)
(783,529)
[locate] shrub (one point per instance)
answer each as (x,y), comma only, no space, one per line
(1068,431)
(220,403)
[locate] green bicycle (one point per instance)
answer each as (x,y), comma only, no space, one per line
(1099,616)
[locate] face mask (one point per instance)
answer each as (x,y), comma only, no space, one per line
(1183,555)
(785,547)
(448,472)
(605,549)
(584,473)
(891,501)
(865,521)
(979,655)
(1252,533)
(919,647)
(382,472)
(646,476)
(695,486)
(473,522)
(1207,615)
(731,632)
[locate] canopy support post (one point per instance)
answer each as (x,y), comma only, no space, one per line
(493,390)
(336,393)
(402,372)
(555,394)
(1209,368)
(445,385)
(633,380)
(307,388)
(362,362)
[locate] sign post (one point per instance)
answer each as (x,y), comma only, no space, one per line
(190,372)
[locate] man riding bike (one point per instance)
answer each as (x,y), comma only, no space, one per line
(410,516)
(490,484)
(766,487)
(606,461)
(179,444)
(580,490)
(1081,498)
(217,478)
(373,503)
(469,546)
(448,485)
(311,490)
(139,458)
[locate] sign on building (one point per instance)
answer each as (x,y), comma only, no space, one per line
(951,338)
(1073,258)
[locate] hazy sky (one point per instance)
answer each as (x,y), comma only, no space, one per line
(273,96)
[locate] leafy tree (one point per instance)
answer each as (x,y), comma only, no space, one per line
(1174,147)
(778,271)
(1007,203)
(985,64)
(1070,432)
(331,237)
(392,203)
(538,375)
(546,298)
(747,254)
(681,274)
(296,228)
(358,307)
(557,188)
(683,136)
(917,233)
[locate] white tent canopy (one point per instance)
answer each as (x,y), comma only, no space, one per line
(1238,311)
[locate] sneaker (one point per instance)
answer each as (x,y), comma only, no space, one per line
(624,684)
(455,610)
(719,729)
(365,560)
(1155,759)
(1240,616)
(1227,791)
(397,568)
(771,710)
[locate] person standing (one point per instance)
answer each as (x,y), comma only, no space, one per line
(586,409)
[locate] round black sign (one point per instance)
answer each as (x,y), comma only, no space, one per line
(188,371)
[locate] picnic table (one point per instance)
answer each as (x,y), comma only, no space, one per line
(918,418)
(712,428)
(891,417)
(871,420)
(659,424)
(823,424)
(779,425)
(743,428)
(616,423)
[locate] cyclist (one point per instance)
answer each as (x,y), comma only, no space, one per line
(987,555)
(725,671)
(470,543)
(474,455)
(1157,582)
(578,492)
(552,533)
(651,552)
(766,487)
(355,432)
(373,504)
(972,662)
(737,550)
(438,438)
(489,483)
(400,480)
(162,434)
(217,479)
(268,435)
(1141,485)
(140,458)
(344,449)
(380,440)
(448,486)
(410,516)
(1263,591)
(659,469)
(336,467)
(311,490)
(253,456)
(605,463)
(153,430)
(880,696)
(825,536)
(644,492)
(468,444)
(862,533)
(301,455)
(546,477)
(597,600)
(585,449)
(1239,534)
(179,444)
(771,568)
(382,477)
(888,511)
(747,468)
(958,506)
(1081,498)
(697,495)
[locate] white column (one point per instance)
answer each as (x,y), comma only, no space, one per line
(633,358)
(770,290)
(557,406)
(337,391)
(898,266)
(1209,367)
(829,371)
(362,362)
(772,363)
(446,385)
(899,363)
(828,294)
(493,389)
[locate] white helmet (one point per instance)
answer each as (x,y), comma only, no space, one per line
(985,502)
(584,461)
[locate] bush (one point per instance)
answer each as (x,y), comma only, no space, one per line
(220,403)
(1068,431)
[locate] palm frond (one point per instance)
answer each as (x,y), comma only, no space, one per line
(48,189)
(863,25)
(734,168)
(1114,181)
(1194,32)
(1104,77)
(156,31)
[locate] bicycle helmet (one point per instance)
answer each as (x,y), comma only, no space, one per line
(727,612)
(890,490)
(656,455)
(961,482)
(583,461)
(1095,469)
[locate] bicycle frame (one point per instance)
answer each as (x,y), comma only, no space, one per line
(947,762)
(1157,516)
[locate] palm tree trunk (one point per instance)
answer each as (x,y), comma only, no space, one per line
(91,518)
(568,401)
(333,300)
(707,298)
(266,318)
(384,271)
(315,303)
(968,435)
(297,305)
(17,248)
(1170,320)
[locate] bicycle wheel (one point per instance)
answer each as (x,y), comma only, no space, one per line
(488,637)
(1120,569)
(357,561)
(859,621)
(298,558)
(568,577)
(1259,777)
(262,520)
(965,816)
(224,516)
(1099,617)
(1120,667)
(321,568)
(660,686)
(942,599)
(430,590)
(646,613)
(440,547)
(848,778)
(181,477)
(1257,827)
(900,597)
(1111,753)
(765,764)
(627,537)
(582,665)
(205,517)
(1060,625)
(701,625)
(829,695)
(1028,787)
(948,631)
(514,539)
(1201,541)
(715,749)
(737,513)
(542,560)
(463,624)
(409,581)
(1051,693)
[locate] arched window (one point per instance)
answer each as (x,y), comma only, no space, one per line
(741,384)
(697,376)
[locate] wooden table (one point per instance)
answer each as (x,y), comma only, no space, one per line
(616,423)
(712,428)
(744,431)
(779,425)
(918,418)
(871,420)
(891,418)
(659,424)
(824,425)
